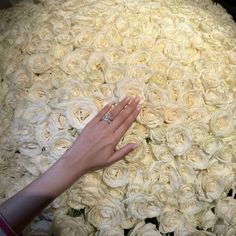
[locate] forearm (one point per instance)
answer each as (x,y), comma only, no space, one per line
(20,209)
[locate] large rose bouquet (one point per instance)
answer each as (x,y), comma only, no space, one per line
(61,61)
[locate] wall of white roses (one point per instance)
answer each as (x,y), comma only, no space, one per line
(61,61)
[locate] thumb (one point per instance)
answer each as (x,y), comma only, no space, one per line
(122,152)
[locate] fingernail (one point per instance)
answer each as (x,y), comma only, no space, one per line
(138,108)
(127,99)
(135,145)
(137,99)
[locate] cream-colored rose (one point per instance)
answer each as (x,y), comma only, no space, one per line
(142,229)
(72,63)
(98,62)
(225,154)
(21,78)
(116,175)
(38,63)
(138,57)
(158,134)
(169,220)
(58,120)
(107,213)
(116,55)
(34,113)
(208,219)
(191,207)
(138,152)
(85,38)
(176,72)
(150,116)
(162,152)
(192,98)
(81,112)
(130,87)
(175,51)
(60,144)
(30,149)
(39,92)
(159,64)
(75,226)
(115,231)
(155,95)
(210,187)
(174,114)
(199,114)
(186,192)
(187,173)
(222,123)
(226,210)
(142,207)
(179,139)
(102,41)
(114,74)
(211,145)
(139,71)
(197,158)
(199,130)
(210,78)
(44,134)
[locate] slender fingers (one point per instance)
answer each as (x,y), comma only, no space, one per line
(122,152)
(124,114)
(119,107)
(126,124)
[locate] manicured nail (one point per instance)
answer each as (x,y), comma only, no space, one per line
(127,99)
(135,145)
(137,99)
(138,108)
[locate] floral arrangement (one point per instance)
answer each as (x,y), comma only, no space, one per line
(61,61)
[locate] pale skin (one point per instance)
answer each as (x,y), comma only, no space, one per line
(93,149)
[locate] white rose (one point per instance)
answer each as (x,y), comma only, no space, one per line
(179,139)
(155,95)
(211,145)
(138,57)
(38,92)
(138,152)
(142,229)
(197,158)
(225,154)
(35,112)
(44,134)
(58,120)
(38,63)
(187,173)
(150,116)
(199,114)
(222,123)
(21,78)
(73,63)
(81,112)
(199,130)
(131,87)
(192,98)
(159,64)
(98,62)
(176,72)
(158,135)
(114,74)
(115,231)
(162,152)
(58,51)
(102,41)
(116,175)
(170,220)
(30,149)
(191,207)
(226,210)
(186,192)
(60,144)
(74,226)
(210,78)
(138,71)
(116,55)
(174,114)
(141,206)
(65,38)
(107,213)
(175,51)
(208,219)
(22,131)
(210,187)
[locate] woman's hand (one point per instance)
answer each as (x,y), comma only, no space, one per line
(95,147)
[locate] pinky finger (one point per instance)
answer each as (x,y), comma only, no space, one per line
(122,152)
